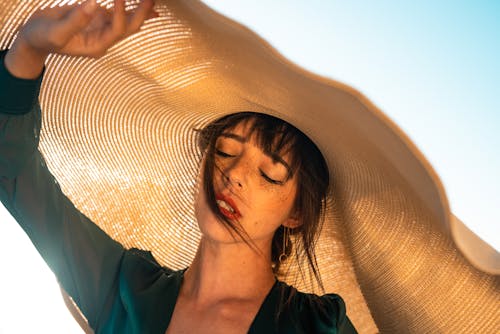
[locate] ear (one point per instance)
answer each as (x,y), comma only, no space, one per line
(292,222)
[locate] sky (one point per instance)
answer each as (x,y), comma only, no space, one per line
(431,66)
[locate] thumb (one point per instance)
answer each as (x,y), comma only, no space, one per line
(77,19)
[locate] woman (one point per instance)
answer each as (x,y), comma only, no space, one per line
(258,180)
(125,124)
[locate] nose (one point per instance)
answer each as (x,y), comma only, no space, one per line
(234,181)
(235,174)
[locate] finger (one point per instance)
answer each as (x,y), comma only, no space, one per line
(102,18)
(153,14)
(119,24)
(55,12)
(144,11)
(76,20)
(117,28)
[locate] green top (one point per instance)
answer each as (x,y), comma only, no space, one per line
(118,290)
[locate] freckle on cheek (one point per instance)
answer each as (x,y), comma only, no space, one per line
(282,197)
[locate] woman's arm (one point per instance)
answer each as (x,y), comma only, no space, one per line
(84,258)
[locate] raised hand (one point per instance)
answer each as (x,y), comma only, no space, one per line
(76,30)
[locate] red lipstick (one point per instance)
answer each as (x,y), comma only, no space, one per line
(230,212)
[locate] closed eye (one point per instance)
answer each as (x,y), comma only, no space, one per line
(269,179)
(223,154)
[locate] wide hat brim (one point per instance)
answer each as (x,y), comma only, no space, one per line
(118,136)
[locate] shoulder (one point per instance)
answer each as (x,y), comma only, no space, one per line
(140,273)
(318,314)
(140,263)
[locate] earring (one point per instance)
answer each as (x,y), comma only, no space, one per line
(286,233)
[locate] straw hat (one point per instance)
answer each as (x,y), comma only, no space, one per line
(118,136)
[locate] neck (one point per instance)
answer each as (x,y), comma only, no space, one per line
(227,271)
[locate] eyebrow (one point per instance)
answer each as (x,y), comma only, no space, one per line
(276,158)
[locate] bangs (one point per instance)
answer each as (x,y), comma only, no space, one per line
(273,136)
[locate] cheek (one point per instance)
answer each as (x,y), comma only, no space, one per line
(200,203)
(277,202)
(286,194)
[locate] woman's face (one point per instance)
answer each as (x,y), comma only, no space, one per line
(250,188)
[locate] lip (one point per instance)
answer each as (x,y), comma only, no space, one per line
(231,215)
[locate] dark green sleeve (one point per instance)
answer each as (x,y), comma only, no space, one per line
(85,260)
(346,327)
(331,317)
(336,306)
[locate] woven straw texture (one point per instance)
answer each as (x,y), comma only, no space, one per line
(118,136)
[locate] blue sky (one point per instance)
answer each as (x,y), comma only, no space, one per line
(432,66)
